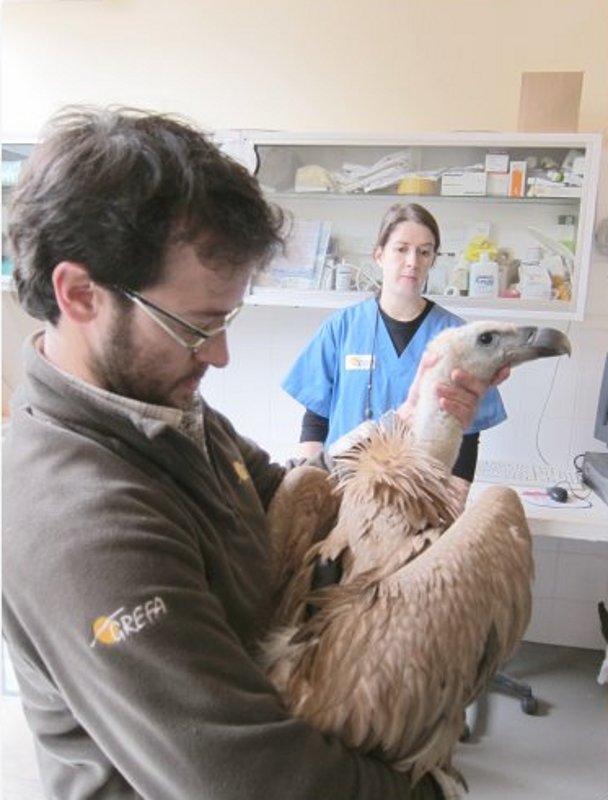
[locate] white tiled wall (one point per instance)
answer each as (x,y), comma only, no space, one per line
(571,576)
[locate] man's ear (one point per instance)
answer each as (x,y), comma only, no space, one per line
(76,294)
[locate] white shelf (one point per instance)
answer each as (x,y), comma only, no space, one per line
(304,298)
(510,309)
(392,197)
(492,139)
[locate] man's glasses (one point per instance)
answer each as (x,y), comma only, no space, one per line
(192,337)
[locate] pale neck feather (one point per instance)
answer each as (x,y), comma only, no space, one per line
(436,431)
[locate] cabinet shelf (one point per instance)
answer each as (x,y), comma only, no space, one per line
(466,307)
(305,298)
(388,198)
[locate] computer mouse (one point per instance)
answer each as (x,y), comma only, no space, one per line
(558,493)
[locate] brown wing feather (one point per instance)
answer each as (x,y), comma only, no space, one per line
(303,511)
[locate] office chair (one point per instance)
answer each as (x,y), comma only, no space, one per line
(501,680)
(529,703)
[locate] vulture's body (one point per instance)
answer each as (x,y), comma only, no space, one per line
(426,605)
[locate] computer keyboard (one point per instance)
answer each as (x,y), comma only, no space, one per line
(514,474)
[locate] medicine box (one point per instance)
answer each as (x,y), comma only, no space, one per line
(460,183)
(497,184)
(497,162)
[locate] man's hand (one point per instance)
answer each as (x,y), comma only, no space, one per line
(459,398)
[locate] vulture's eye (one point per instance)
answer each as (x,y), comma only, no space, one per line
(486,338)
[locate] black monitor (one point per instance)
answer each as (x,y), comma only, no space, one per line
(595,465)
(601,419)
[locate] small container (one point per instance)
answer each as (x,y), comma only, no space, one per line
(326,282)
(534,279)
(459,277)
(484,278)
(517,179)
(533,256)
(566,231)
(344,277)
(535,282)
(438,277)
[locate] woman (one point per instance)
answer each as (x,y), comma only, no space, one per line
(364,358)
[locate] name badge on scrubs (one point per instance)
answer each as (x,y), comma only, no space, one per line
(354,361)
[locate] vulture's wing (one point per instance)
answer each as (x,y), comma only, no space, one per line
(302,512)
(389,664)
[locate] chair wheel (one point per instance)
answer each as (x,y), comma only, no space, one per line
(466,734)
(529,705)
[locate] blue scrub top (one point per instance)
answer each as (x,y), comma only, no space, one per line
(332,375)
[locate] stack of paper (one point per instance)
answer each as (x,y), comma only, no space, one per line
(301,263)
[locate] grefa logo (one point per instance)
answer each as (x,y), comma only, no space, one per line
(118,626)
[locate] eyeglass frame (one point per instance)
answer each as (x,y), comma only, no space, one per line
(152,310)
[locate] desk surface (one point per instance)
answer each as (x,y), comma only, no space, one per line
(559,520)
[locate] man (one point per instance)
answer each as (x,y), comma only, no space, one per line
(135,544)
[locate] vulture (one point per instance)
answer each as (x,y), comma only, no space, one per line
(423,604)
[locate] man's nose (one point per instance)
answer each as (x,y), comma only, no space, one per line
(214,351)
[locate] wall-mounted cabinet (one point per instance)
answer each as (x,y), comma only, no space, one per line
(528,199)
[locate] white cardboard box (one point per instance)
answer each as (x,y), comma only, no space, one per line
(497,162)
(462,183)
(497,184)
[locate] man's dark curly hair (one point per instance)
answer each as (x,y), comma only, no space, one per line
(113,188)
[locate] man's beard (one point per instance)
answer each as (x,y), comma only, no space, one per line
(129,371)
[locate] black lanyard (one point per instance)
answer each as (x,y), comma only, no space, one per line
(368,413)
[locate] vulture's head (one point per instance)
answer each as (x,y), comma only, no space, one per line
(482,349)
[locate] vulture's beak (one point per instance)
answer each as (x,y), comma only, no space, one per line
(529,343)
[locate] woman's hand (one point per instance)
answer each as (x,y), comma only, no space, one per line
(459,398)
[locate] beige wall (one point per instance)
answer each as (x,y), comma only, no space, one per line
(386,65)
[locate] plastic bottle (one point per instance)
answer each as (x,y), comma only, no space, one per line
(327,278)
(438,279)
(459,278)
(344,277)
(483,279)
(534,278)
(566,227)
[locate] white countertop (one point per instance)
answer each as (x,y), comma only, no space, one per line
(562,520)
